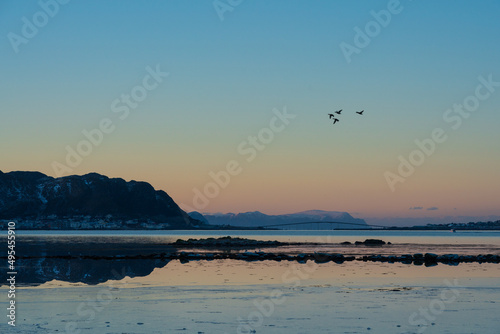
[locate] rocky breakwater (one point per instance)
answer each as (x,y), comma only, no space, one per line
(185,257)
(431,259)
(427,259)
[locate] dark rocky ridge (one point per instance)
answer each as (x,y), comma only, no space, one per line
(31,197)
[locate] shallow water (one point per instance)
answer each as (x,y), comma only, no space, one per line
(268,297)
(322,236)
(231,296)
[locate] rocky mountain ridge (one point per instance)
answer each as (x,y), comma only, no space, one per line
(87,201)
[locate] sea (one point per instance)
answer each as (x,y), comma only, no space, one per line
(73,282)
(330,236)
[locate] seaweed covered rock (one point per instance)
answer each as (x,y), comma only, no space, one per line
(226,242)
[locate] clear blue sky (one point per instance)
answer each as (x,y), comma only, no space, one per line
(225,77)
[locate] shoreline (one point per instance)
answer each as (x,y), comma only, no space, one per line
(427,259)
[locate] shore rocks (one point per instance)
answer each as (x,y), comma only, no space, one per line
(430,259)
(427,259)
(371,242)
(211,249)
(225,242)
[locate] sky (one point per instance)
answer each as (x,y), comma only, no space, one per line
(224,104)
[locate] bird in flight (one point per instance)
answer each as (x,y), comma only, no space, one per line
(360,112)
(335,120)
(338,111)
(331,116)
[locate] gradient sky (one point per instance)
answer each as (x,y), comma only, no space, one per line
(225,79)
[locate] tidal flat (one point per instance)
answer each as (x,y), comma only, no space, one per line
(132,294)
(229,296)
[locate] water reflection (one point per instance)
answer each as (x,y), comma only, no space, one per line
(41,270)
(97,259)
(80,260)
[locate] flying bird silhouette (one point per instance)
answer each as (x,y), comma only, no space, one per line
(360,112)
(331,116)
(338,111)
(335,120)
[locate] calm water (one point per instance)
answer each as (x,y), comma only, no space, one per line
(227,296)
(326,236)
(43,254)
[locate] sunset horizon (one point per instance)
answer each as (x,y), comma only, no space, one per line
(239,167)
(180,110)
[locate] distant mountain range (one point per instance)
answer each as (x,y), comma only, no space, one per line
(259,219)
(36,200)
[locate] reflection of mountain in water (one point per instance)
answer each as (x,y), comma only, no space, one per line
(71,259)
(40,270)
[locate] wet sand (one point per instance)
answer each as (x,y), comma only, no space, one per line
(229,296)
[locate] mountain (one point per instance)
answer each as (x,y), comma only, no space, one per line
(256,219)
(198,216)
(36,200)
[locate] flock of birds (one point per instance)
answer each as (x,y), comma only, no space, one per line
(338,112)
